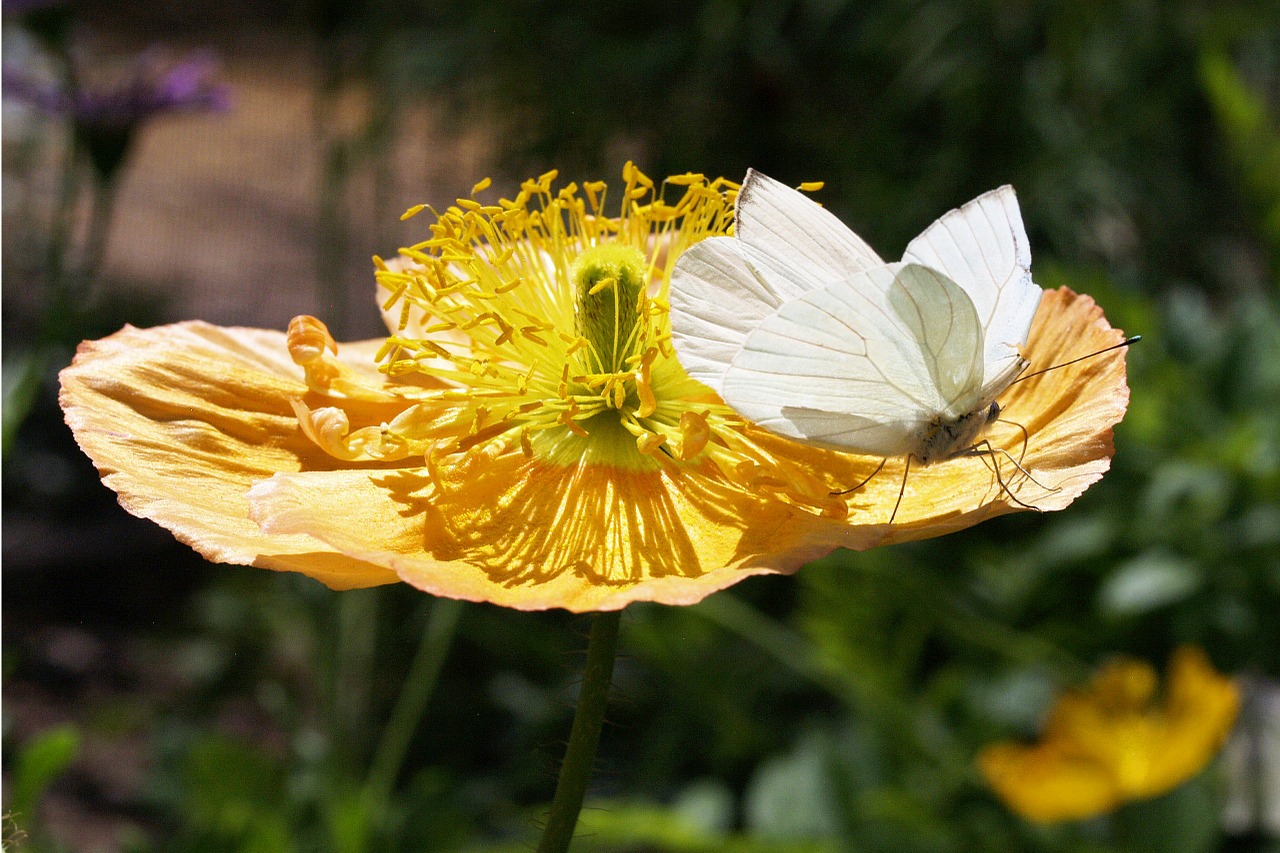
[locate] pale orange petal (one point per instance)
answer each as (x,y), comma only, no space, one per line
(530,535)
(1068,414)
(181,420)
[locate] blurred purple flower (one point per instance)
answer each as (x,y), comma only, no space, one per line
(106,113)
(20,7)
(151,85)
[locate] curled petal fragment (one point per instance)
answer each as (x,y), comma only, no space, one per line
(314,350)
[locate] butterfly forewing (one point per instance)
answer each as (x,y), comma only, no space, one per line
(716,300)
(721,290)
(787,225)
(983,247)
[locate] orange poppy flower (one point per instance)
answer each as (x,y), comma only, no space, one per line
(526,435)
(1115,741)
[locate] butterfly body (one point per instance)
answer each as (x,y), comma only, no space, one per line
(944,438)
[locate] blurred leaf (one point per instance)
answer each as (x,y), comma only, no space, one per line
(790,796)
(707,804)
(1185,496)
(1016,699)
(229,783)
(350,822)
(611,827)
(23,374)
(1252,136)
(1185,820)
(39,762)
(612,823)
(1147,582)
(268,833)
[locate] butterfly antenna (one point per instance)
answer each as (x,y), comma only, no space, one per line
(864,482)
(1125,343)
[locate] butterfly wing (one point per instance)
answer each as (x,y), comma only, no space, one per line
(863,364)
(721,289)
(983,247)
(785,245)
(796,231)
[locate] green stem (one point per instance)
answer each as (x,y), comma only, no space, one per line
(353,660)
(580,755)
(332,233)
(60,235)
(419,684)
(97,238)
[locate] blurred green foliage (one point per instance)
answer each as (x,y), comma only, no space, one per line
(839,709)
(41,760)
(1097,113)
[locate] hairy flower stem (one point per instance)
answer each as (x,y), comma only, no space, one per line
(597,675)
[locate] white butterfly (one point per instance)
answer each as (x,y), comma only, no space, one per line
(803,329)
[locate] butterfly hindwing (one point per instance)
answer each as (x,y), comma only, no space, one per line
(943,323)
(866,362)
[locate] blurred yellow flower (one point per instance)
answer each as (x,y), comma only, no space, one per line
(1117,740)
(526,436)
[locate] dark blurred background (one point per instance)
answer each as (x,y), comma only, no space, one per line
(156,703)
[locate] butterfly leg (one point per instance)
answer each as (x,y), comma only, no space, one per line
(901,489)
(865,480)
(991,452)
(1026,438)
(1017,464)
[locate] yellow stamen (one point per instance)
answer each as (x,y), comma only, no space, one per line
(545,319)
(694,434)
(649,442)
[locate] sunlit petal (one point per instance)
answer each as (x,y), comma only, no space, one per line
(181,420)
